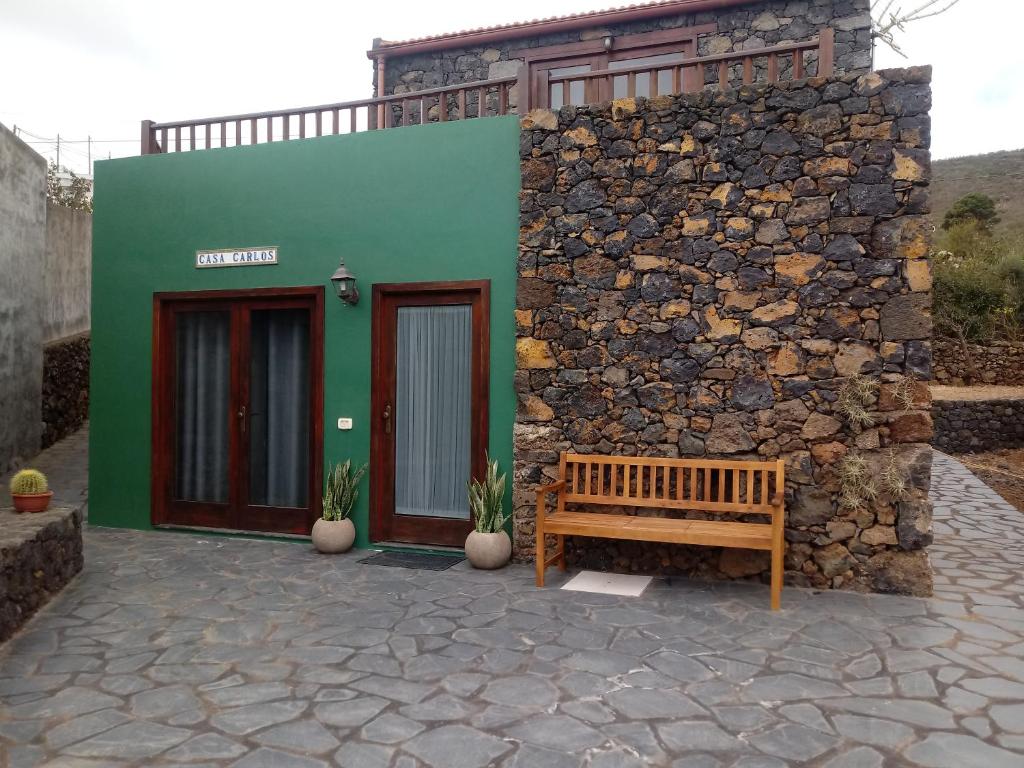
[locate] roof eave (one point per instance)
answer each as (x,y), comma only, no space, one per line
(547,26)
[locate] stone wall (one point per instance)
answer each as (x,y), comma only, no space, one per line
(65,387)
(1001,362)
(748,26)
(702,275)
(39,554)
(962,426)
(22,294)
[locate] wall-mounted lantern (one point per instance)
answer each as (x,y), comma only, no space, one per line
(345,284)
(608,42)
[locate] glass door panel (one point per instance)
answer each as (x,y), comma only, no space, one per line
(577,88)
(432,410)
(202,406)
(620,83)
(278,411)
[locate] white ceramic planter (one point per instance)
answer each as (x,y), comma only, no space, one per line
(333,536)
(488,551)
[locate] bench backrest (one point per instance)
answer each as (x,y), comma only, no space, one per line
(692,484)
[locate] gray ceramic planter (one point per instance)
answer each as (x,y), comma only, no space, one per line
(488,551)
(333,536)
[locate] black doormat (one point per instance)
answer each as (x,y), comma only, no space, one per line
(416,560)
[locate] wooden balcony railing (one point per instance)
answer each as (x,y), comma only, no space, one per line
(691,75)
(456,102)
(491,97)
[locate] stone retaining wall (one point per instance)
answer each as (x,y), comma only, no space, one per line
(701,275)
(962,426)
(65,387)
(39,554)
(1001,362)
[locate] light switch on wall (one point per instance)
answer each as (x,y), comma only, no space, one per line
(344,423)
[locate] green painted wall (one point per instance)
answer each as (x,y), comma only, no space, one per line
(433,202)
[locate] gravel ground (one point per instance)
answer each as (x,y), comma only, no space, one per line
(979,392)
(1001,470)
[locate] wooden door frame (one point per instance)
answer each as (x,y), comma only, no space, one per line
(477,293)
(637,44)
(163,380)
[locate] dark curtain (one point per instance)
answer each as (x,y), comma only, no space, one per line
(279,408)
(203,382)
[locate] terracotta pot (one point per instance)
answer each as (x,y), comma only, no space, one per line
(31,502)
(488,551)
(333,536)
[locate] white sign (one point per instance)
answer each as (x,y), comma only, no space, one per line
(243,257)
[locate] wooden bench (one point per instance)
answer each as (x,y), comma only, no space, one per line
(694,485)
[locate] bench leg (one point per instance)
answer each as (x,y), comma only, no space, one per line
(539,556)
(561,553)
(777,571)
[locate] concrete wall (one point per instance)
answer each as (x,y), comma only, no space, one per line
(45,279)
(22,249)
(67,265)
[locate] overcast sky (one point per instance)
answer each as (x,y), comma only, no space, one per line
(97,68)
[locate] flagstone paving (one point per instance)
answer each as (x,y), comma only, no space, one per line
(179,649)
(66,466)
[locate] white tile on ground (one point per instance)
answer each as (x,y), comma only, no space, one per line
(608,583)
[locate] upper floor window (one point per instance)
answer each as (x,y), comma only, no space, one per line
(553,70)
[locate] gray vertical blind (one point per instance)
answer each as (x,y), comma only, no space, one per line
(203,367)
(279,408)
(432,410)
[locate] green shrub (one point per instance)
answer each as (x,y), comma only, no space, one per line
(968,241)
(342,491)
(977,208)
(485,500)
(978,285)
(29,481)
(968,295)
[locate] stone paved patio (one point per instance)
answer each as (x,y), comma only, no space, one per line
(182,649)
(66,466)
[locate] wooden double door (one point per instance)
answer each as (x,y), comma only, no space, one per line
(238,409)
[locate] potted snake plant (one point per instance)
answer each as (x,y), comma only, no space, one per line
(30,491)
(488,546)
(334,531)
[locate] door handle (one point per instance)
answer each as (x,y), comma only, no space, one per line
(241,417)
(387,419)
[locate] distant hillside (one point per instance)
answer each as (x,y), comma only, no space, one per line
(1000,175)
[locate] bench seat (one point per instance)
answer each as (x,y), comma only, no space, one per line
(711,533)
(722,489)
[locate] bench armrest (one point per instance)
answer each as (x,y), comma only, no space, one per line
(778,499)
(550,487)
